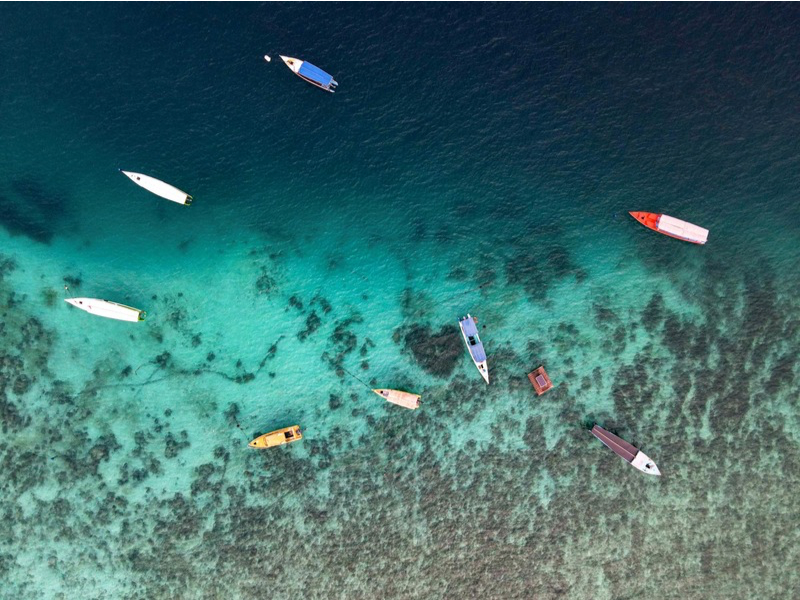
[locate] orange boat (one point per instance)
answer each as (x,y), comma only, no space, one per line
(672,227)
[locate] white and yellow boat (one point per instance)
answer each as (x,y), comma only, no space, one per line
(287,435)
(404,399)
(107,309)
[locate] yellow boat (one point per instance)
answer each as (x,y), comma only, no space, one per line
(404,399)
(287,435)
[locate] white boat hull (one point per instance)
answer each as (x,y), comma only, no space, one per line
(483,367)
(107,309)
(159,188)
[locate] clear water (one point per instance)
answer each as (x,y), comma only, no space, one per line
(475,159)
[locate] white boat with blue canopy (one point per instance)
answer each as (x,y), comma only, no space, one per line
(469,331)
(313,75)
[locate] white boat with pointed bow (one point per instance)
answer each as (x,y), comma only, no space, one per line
(159,188)
(469,331)
(107,309)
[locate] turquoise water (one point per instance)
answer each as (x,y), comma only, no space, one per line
(479,159)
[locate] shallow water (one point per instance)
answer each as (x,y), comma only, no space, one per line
(475,159)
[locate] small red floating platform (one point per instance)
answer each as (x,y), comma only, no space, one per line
(540,381)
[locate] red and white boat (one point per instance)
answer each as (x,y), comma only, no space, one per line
(672,227)
(627,452)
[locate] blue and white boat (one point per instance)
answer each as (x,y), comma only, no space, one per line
(469,330)
(313,75)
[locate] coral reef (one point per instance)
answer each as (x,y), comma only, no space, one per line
(483,486)
(343,341)
(436,352)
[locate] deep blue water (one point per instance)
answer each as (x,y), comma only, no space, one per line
(476,158)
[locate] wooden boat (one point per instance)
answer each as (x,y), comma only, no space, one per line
(287,435)
(469,331)
(672,227)
(540,381)
(107,309)
(158,187)
(404,399)
(627,452)
(313,75)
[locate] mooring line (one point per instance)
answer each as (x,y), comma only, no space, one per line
(355,377)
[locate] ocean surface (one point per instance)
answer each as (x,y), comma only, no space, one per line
(476,158)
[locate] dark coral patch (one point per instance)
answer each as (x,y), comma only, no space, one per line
(265,284)
(343,341)
(313,323)
(323,304)
(173,445)
(49,297)
(436,352)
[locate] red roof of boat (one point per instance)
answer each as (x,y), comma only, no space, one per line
(620,447)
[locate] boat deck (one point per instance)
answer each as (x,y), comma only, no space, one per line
(474,343)
(315,74)
(682,229)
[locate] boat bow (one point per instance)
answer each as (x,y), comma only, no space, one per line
(642,462)
(293,63)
